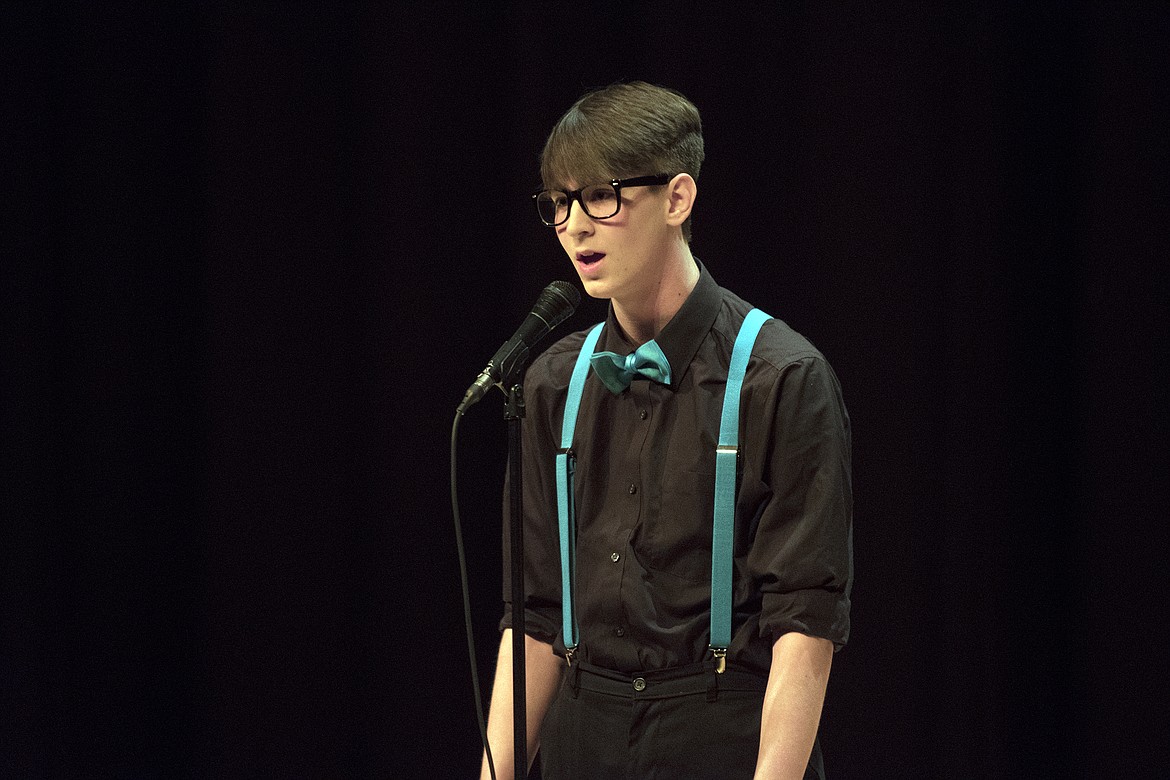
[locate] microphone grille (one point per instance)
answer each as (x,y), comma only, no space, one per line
(556,303)
(570,293)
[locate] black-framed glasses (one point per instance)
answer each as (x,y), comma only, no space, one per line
(599,201)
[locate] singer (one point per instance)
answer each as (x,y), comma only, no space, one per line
(627,673)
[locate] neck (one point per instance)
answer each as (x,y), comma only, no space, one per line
(644,315)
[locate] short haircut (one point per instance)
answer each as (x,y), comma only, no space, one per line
(624,130)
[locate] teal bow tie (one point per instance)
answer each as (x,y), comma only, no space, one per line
(617,371)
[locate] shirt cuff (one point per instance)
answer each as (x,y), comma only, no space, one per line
(816,612)
(538,625)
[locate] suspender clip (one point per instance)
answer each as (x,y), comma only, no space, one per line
(720,659)
(569,655)
(732,449)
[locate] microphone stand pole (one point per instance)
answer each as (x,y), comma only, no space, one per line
(514,413)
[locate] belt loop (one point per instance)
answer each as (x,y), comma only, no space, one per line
(575,679)
(713,686)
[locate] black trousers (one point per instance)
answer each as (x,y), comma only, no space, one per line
(673,724)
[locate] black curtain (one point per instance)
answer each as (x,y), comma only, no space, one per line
(255,255)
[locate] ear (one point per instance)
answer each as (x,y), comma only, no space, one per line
(681,192)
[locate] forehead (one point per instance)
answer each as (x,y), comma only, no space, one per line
(573,167)
(575,185)
(579,180)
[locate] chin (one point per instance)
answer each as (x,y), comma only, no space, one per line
(596,289)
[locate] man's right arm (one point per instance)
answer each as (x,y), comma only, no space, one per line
(542,676)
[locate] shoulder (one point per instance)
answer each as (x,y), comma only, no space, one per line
(787,372)
(778,346)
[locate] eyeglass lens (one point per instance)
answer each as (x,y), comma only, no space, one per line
(599,200)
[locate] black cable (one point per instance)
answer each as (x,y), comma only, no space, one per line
(467,598)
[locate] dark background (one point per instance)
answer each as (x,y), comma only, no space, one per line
(254,257)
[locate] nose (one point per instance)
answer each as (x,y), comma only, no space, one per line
(578,221)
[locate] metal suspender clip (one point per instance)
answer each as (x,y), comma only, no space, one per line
(569,655)
(732,448)
(720,659)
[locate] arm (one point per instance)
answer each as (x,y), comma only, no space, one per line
(542,675)
(792,704)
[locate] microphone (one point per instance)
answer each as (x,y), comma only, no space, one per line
(555,304)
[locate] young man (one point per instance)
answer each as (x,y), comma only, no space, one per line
(641,694)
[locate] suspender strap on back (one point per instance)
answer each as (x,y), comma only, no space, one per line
(726,465)
(566,507)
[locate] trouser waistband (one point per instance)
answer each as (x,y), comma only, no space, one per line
(663,683)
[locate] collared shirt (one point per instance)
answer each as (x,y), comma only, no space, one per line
(644,487)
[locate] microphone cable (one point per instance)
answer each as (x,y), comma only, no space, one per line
(467,596)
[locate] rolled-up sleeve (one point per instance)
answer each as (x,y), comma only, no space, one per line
(801,553)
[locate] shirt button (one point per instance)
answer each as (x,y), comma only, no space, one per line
(615,557)
(639,684)
(620,631)
(643,414)
(633,489)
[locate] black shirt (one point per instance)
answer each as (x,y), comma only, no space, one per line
(644,488)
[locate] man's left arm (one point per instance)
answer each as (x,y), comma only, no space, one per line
(804,548)
(792,704)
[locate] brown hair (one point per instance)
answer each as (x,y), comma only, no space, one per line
(624,130)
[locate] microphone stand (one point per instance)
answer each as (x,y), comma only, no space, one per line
(514,413)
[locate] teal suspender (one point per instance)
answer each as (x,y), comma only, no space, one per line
(726,455)
(726,461)
(566,507)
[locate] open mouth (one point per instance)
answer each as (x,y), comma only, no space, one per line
(589,260)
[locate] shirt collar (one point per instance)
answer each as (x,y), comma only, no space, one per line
(683,335)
